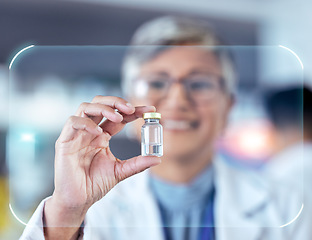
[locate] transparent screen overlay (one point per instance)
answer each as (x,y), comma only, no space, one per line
(213,102)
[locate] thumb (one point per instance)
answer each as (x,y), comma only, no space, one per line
(134,165)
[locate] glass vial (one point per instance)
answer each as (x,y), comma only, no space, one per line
(152,135)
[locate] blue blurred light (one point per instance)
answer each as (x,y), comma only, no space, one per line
(27,137)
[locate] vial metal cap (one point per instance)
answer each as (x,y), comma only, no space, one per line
(153,115)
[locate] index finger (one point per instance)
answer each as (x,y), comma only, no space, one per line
(113,128)
(115,102)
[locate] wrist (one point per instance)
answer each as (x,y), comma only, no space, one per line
(58,214)
(60,222)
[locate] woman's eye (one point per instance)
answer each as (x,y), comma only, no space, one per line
(157,84)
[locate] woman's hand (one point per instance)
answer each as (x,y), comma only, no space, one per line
(85,168)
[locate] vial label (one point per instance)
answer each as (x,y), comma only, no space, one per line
(152,149)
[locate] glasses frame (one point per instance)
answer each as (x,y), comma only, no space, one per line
(183,81)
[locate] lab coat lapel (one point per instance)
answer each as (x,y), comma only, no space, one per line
(238,201)
(146,207)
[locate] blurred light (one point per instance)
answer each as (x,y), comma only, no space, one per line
(253,142)
(28,137)
(45,108)
(250,140)
(141,89)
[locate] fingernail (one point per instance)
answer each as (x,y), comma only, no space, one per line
(158,161)
(152,107)
(119,115)
(129,105)
(99,129)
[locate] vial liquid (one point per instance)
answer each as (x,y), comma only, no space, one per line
(152,135)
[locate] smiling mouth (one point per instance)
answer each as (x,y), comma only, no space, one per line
(179,125)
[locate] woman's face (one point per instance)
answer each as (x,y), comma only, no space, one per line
(194,107)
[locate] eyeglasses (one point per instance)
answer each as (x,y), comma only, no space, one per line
(199,88)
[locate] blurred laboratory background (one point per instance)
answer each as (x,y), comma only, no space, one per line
(77,55)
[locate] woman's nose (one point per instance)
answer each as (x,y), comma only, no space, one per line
(177,97)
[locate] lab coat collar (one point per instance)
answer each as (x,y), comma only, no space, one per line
(240,198)
(247,190)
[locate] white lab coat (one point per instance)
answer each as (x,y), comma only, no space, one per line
(246,208)
(292,167)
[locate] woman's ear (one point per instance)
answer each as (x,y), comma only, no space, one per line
(230,101)
(229,104)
